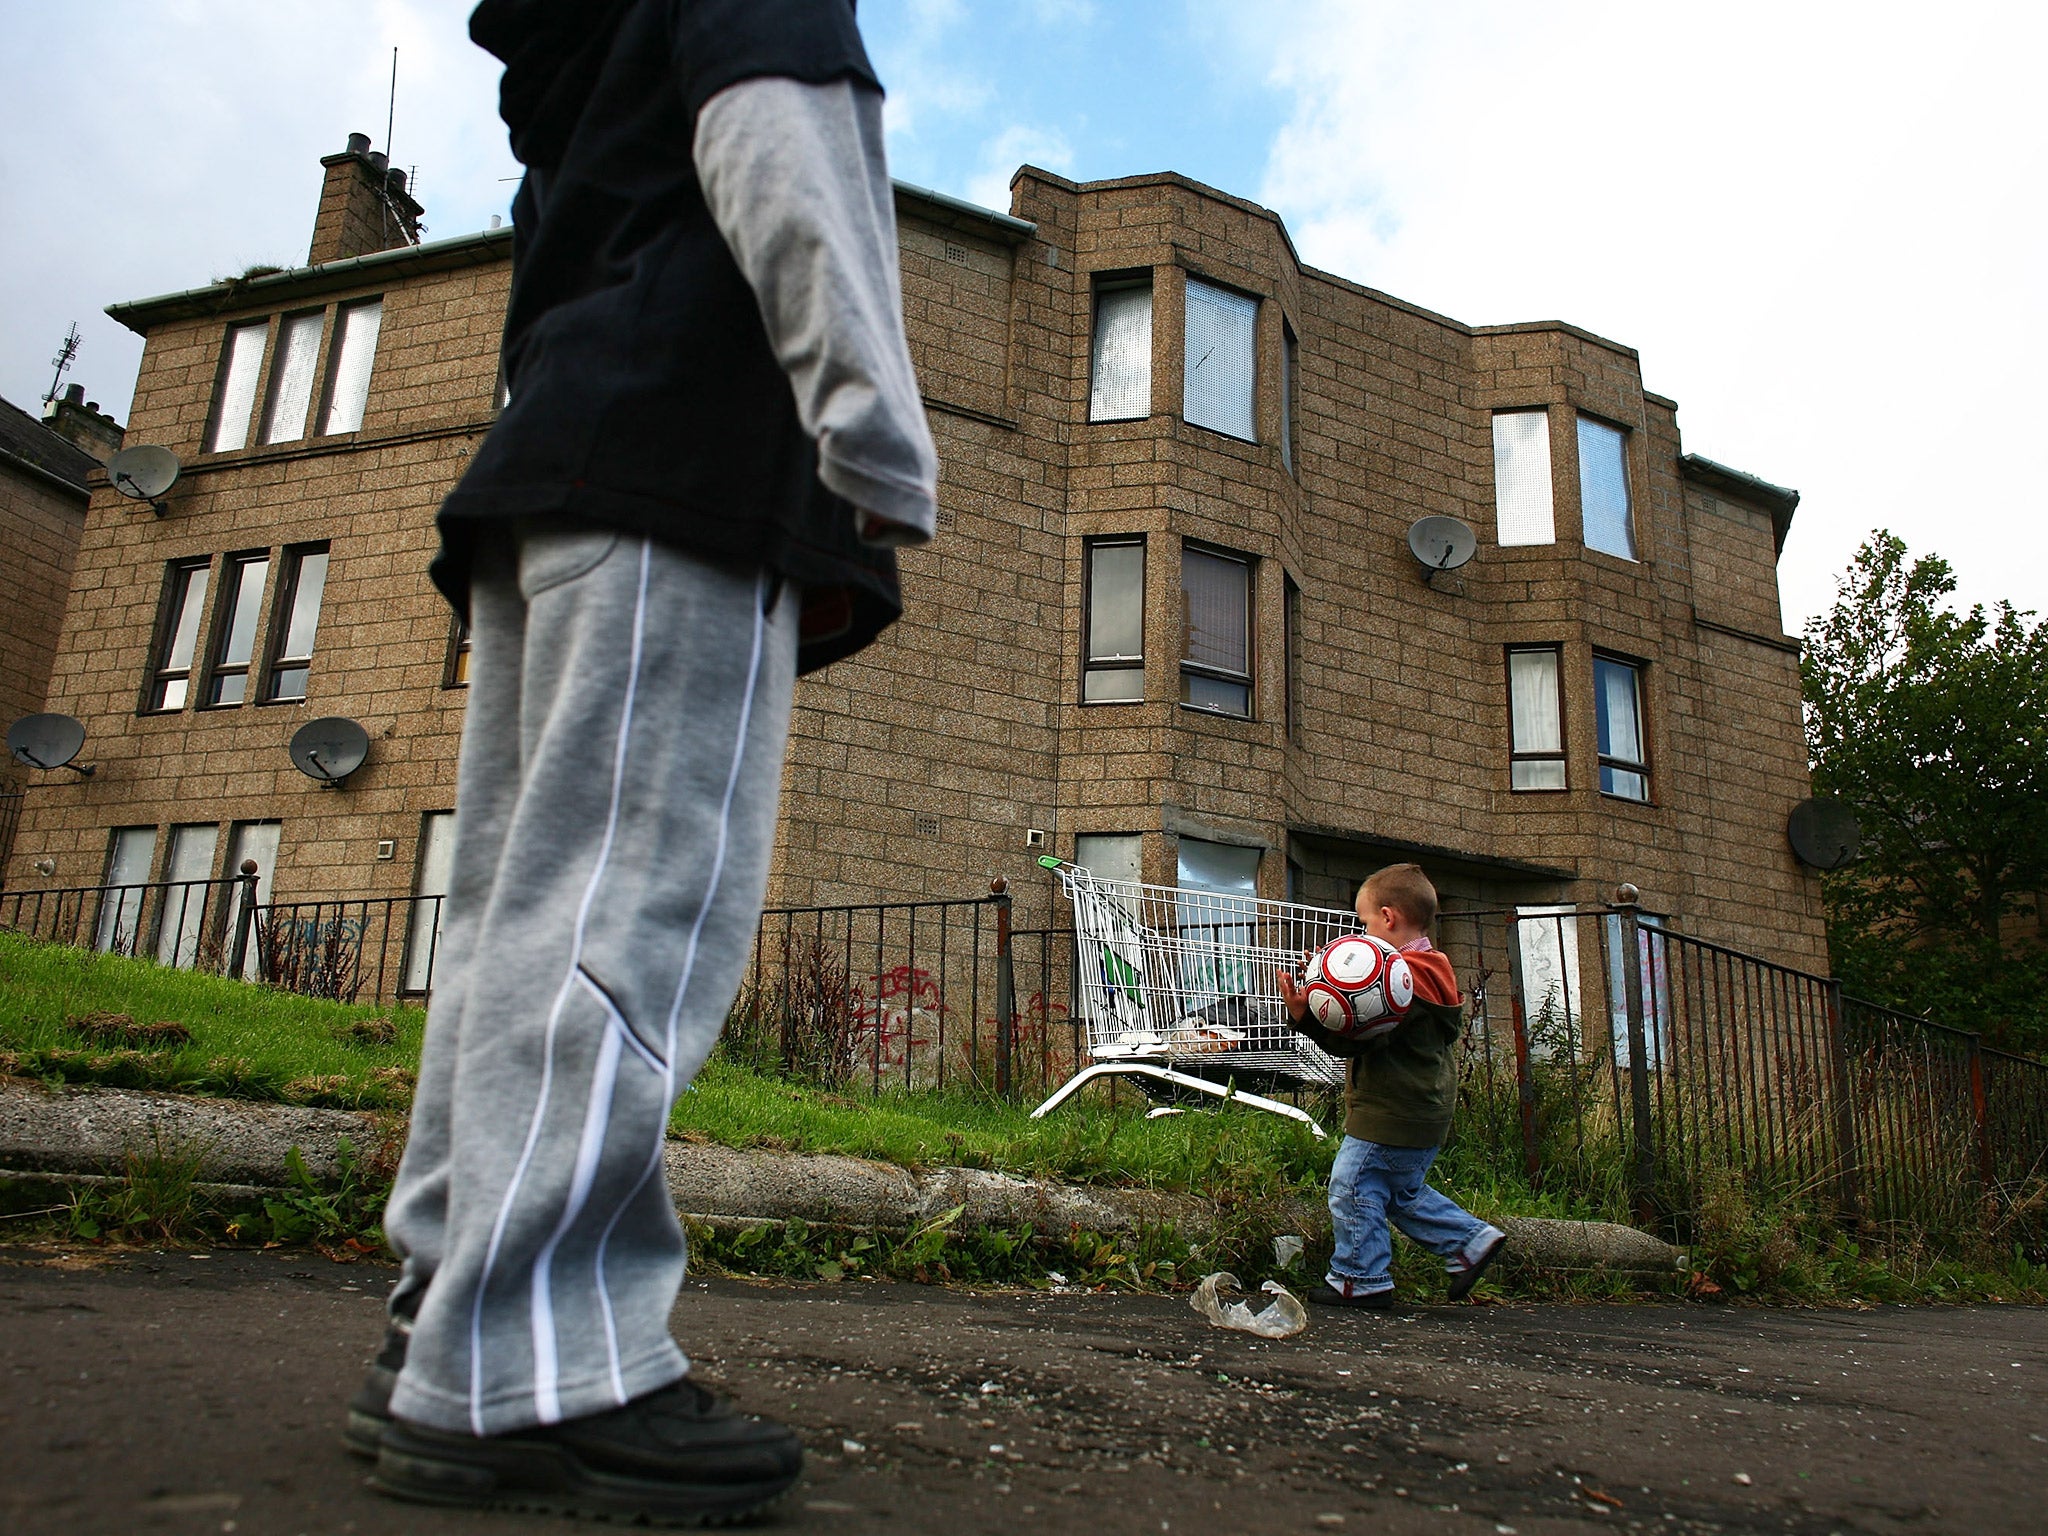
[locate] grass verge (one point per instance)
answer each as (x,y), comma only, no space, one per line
(71,1016)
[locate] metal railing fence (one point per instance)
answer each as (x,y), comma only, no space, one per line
(10,818)
(192,924)
(1608,1053)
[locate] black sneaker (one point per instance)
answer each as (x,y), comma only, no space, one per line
(1463,1281)
(1327,1295)
(369,1411)
(678,1456)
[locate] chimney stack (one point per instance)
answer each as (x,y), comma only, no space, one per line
(81,423)
(364,205)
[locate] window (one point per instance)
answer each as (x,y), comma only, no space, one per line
(131,852)
(1215,668)
(181,921)
(1548,940)
(1216,917)
(1653,970)
(1618,694)
(1603,488)
(298,618)
(1111,855)
(430,883)
(1535,720)
(291,378)
(1222,330)
(249,840)
(177,634)
(1120,362)
(1290,641)
(1113,671)
(1521,477)
(1290,363)
(241,368)
(241,588)
(348,370)
(457,673)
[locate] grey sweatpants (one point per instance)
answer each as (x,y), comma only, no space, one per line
(621,764)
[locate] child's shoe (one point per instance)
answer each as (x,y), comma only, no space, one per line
(1466,1271)
(1345,1293)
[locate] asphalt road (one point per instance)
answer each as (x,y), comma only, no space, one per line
(202,1393)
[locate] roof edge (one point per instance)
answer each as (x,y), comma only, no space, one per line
(1778,500)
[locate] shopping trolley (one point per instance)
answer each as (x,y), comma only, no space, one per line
(1180,987)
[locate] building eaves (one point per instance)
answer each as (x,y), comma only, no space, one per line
(1780,501)
(29,446)
(479,249)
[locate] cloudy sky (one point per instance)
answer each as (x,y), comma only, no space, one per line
(1821,224)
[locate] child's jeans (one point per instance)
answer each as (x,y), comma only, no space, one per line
(1372,1184)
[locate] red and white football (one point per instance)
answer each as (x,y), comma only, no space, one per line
(1358,987)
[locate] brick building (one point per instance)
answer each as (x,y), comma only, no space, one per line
(1171,622)
(45,469)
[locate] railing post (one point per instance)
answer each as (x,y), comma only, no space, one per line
(245,919)
(1006,985)
(1643,1163)
(1987,1172)
(1848,1194)
(1525,1078)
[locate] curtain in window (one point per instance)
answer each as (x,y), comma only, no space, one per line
(1222,345)
(1603,488)
(1521,477)
(1621,730)
(1120,374)
(1532,681)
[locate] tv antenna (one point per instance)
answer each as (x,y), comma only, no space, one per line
(390,116)
(63,359)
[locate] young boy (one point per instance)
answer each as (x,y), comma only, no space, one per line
(1398,1100)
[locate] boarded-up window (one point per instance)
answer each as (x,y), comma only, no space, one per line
(348,374)
(1222,331)
(1120,364)
(1521,478)
(1603,488)
(241,371)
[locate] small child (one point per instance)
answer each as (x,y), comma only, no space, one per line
(1398,1099)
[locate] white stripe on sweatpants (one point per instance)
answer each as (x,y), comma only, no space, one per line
(476,1316)
(732,779)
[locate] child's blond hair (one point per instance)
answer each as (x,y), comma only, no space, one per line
(1406,889)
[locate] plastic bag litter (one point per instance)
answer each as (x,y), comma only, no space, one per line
(1287,1252)
(1282,1318)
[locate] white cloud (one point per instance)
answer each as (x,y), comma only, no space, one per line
(1822,237)
(1018,144)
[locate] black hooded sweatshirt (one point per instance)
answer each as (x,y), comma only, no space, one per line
(645,394)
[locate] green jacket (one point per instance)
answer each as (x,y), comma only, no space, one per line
(1402,1088)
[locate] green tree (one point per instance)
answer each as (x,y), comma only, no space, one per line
(1933,724)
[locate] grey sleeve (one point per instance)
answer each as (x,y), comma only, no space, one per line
(796,179)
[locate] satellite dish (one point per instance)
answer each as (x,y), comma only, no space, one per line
(144,474)
(48,741)
(329,750)
(1824,833)
(1441,544)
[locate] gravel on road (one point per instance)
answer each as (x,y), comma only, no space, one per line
(202,1392)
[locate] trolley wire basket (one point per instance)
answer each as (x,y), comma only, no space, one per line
(1180,988)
